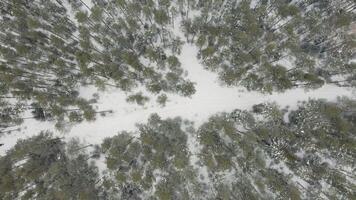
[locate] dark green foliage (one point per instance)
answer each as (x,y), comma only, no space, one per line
(162,100)
(41,168)
(47,54)
(137,98)
(135,41)
(240,155)
(37,68)
(158,158)
(316,145)
(262,45)
(247,155)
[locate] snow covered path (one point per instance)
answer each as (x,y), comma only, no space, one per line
(209,99)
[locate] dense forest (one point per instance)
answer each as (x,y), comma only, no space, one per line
(244,154)
(51,49)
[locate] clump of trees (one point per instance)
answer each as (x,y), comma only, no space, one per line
(38,71)
(276,45)
(264,153)
(45,167)
(131,42)
(153,164)
(260,154)
(49,49)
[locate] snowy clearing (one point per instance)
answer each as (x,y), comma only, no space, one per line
(211,97)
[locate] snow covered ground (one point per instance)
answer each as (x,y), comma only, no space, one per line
(209,99)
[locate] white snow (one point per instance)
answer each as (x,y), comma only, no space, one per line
(209,99)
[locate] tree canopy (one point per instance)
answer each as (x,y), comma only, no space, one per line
(276,45)
(264,153)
